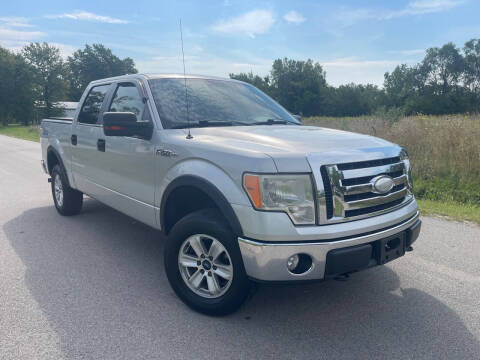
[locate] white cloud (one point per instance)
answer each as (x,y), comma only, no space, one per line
(420,7)
(88,16)
(431,6)
(205,65)
(14,21)
(252,23)
(65,49)
(14,39)
(408,52)
(294,17)
(347,70)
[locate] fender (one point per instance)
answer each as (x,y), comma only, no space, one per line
(51,149)
(208,188)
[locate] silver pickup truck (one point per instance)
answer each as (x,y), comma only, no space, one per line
(241,190)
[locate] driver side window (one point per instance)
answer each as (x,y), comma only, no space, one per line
(128,99)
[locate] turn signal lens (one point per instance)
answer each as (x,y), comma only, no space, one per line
(289,193)
(252,185)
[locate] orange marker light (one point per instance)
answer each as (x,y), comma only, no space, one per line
(252,185)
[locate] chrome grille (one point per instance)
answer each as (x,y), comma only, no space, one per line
(349,192)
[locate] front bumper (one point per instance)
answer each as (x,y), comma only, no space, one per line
(267,261)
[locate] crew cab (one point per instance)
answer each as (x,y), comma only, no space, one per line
(241,190)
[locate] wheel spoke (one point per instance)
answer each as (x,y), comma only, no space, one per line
(188,261)
(196,279)
(224,271)
(207,272)
(58,187)
(197,246)
(213,285)
(215,250)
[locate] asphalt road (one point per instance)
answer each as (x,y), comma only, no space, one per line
(93,287)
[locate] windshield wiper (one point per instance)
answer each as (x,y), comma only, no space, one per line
(274,121)
(205,123)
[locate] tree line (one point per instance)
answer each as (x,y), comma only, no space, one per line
(35,79)
(446,81)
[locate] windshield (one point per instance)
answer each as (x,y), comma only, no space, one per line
(214,103)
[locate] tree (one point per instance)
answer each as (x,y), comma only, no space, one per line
(92,63)
(355,100)
(16,94)
(300,86)
(49,80)
(444,67)
(257,81)
(472,70)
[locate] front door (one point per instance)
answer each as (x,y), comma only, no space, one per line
(129,164)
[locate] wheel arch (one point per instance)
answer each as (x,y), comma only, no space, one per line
(213,196)
(54,158)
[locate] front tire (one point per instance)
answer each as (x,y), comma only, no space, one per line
(204,265)
(67,201)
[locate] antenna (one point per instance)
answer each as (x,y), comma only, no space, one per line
(189,135)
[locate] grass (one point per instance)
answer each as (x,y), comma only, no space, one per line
(21,132)
(450,209)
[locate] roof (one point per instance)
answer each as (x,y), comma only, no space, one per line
(162,76)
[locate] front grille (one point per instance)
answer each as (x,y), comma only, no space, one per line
(369,163)
(350,213)
(328,192)
(349,193)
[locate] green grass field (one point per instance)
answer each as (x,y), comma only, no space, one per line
(451,210)
(21,132)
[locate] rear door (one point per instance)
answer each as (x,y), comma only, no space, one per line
(128,162)
(86,132)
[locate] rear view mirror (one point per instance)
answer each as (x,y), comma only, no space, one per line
(298,117)
(126,124)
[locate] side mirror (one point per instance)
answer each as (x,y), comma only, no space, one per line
(298,117)
(126,124)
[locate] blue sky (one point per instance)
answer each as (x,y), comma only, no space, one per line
(355,41)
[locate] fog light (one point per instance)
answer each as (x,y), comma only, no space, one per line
(292,262)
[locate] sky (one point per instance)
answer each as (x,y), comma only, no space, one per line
(355,41)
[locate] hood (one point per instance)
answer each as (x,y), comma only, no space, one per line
(290,146)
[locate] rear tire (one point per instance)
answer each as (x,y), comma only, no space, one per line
(213,281)
(67,201)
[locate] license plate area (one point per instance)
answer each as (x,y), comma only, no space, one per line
(390,248)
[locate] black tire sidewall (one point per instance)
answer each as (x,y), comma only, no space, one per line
(208,222)
(72,199)
(58,170)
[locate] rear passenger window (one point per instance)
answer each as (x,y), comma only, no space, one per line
(128,99)
(92,105)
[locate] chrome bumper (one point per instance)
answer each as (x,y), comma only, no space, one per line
(268,261)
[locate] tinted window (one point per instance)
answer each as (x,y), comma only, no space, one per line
(92,105)
(213,100)
(128,99)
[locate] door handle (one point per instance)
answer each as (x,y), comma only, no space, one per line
(73,139)
(101,145)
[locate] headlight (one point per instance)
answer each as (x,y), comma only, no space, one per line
(408,169)
(292,194)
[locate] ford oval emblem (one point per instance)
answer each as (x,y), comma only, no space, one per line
(382,184)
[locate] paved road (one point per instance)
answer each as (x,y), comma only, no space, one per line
(93,287)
